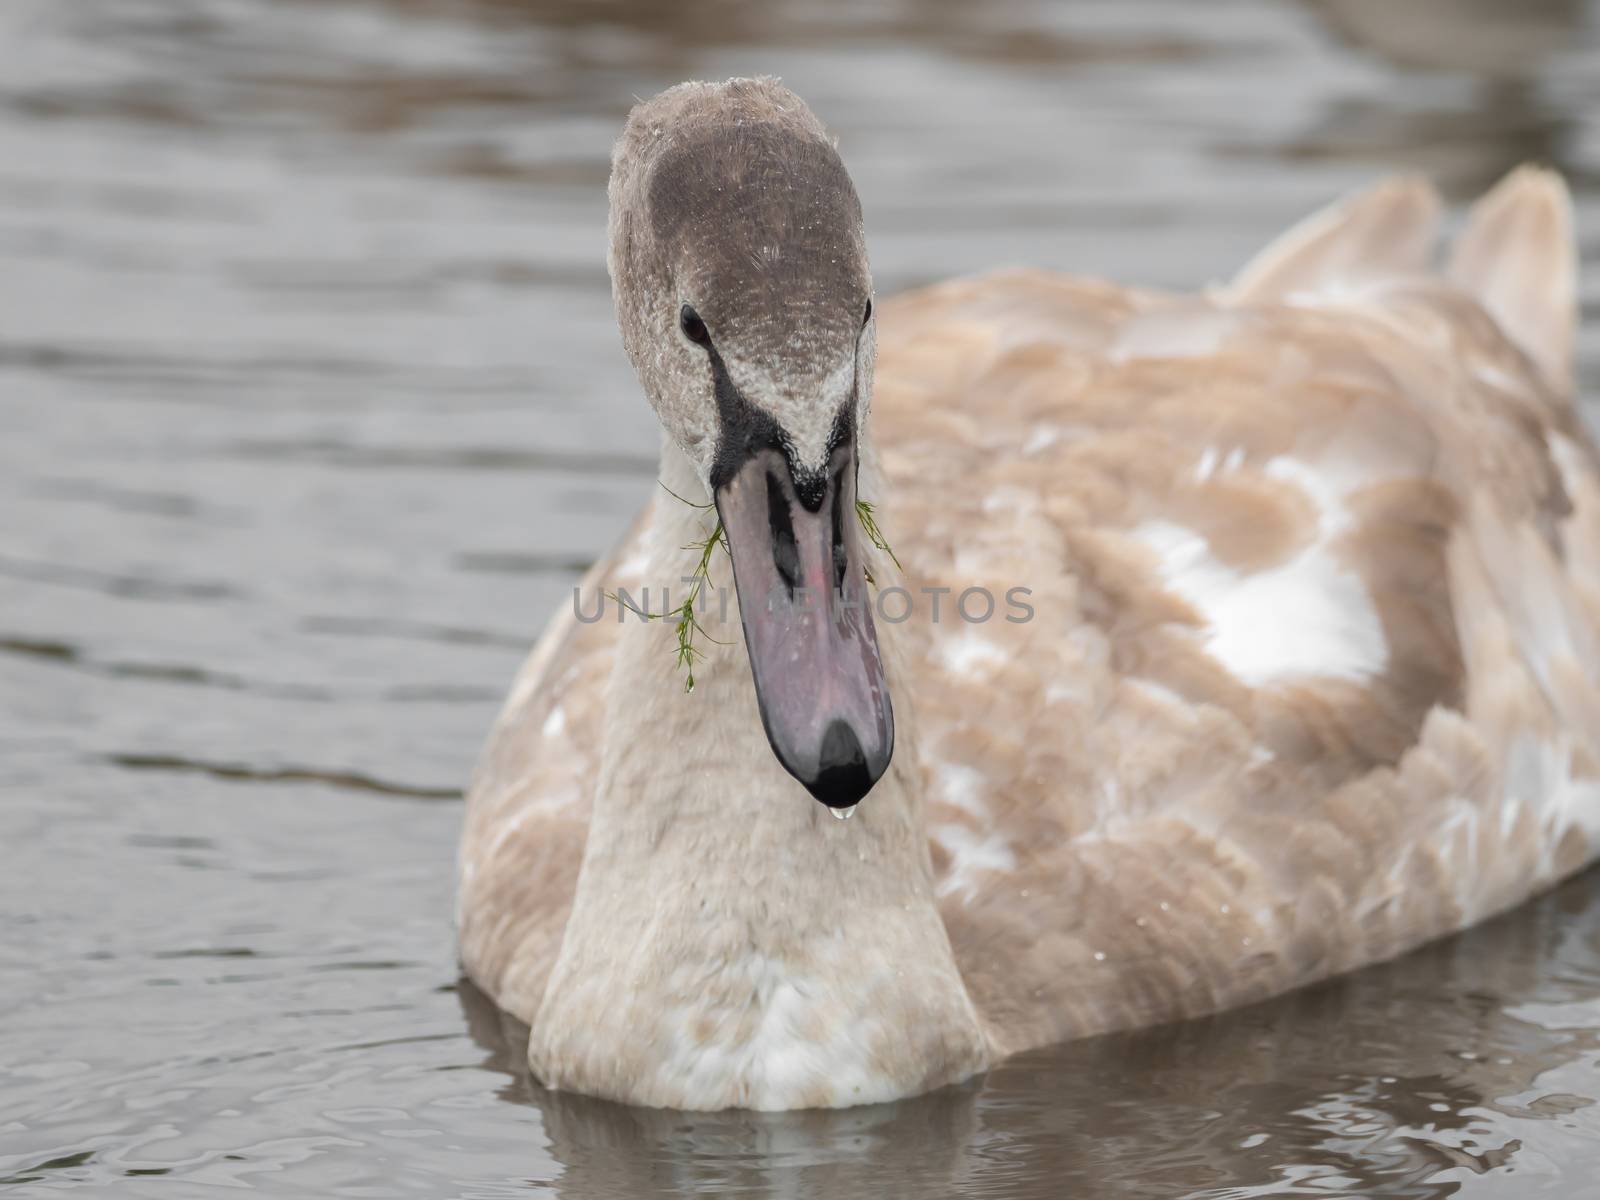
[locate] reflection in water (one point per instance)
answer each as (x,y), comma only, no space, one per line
(1482,38)
(914,1148)
(1323,1090)
(1467,100)
(311,407)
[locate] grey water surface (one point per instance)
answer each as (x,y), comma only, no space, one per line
(311,409)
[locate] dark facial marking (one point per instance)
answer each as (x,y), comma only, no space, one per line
(742,428)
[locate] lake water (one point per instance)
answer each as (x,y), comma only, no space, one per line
(311,408)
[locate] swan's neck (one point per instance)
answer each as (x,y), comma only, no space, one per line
(731,943)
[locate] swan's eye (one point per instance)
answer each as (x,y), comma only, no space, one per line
(867,316)
(693,327)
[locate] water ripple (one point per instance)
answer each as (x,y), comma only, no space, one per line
(243,773)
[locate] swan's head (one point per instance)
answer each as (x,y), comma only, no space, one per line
(739,270)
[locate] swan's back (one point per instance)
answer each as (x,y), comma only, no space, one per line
(1311,673)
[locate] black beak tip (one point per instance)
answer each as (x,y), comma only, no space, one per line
(845,773)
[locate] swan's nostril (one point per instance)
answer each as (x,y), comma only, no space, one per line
(785,552)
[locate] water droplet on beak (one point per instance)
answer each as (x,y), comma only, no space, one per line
(843,814)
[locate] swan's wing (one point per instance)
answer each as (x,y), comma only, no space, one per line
(1384,233)
(1314,667)
(529,804)
(1518,257)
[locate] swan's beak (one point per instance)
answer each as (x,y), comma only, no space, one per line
(808,623)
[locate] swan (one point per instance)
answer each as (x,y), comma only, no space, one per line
(1269,642)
